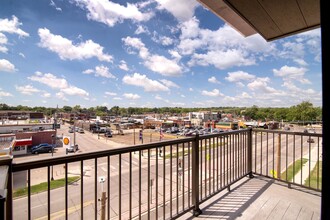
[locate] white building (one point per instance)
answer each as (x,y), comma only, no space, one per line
(198,118)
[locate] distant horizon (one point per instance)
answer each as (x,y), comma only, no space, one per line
(152,54)
(212,107)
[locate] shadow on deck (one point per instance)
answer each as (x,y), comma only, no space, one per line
(261,198)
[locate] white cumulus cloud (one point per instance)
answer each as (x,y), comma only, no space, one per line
(111,13)
(181,10)
(27,90)
(157,63)
(12,27)
(101,71)
(169,83)
(66,50)
(213,93)
(6,66)
(59,83)
(293,73)
(143,81)
(131,96)
(239,76)
(4,94)
(212,79)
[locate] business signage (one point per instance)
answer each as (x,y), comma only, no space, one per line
(66,141)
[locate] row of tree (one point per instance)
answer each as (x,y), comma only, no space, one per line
(305,111)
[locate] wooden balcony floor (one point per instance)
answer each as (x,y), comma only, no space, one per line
(261,198)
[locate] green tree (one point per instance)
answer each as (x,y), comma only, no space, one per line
(76,108)
(114,110)
(252,112)
(67,108)
(4,106)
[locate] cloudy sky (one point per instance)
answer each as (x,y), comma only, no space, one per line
(155,53)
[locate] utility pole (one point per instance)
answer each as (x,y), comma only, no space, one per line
(279,157)
(74,130)
(55,122)
(52,178)
(103,198)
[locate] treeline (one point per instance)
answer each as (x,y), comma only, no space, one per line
(305,111)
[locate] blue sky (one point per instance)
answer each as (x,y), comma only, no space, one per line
(155,53)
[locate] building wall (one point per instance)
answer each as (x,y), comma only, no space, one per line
(10,128)
(37,137)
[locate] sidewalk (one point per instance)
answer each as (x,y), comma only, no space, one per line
(303,174)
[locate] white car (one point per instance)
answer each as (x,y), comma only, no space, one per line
(73,148)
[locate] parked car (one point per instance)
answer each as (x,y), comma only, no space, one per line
(81,130)
(73,148)
(108,134)
(40,145)
(43,149)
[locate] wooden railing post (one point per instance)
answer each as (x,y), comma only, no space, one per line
(279,157)
(195,176)
(6,188)
(250,153)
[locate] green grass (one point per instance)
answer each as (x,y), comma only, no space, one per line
(315,183)
(297,167)
(41,187)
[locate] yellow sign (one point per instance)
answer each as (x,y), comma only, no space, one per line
(66,141)
(273,173)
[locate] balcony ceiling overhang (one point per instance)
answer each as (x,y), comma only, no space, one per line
(272,19)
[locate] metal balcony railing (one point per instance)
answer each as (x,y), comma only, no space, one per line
(160,180)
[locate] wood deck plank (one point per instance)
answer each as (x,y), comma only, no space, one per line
(261,198)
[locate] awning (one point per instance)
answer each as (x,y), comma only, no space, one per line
(23,142)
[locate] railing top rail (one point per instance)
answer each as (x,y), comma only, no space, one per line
(56,160)
(207,136)
(287,132)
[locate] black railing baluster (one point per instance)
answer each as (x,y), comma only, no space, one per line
(195,175)
(119,186)
(48,192)
(156,183)
(164,178)
(29,194)
(182,178)
(189,149)
(82,189)
(250,152)
(95,188)
(130,183)
(171,177)
(66,190)
(177,179)
(140,168)
(149,185)
(294,156)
